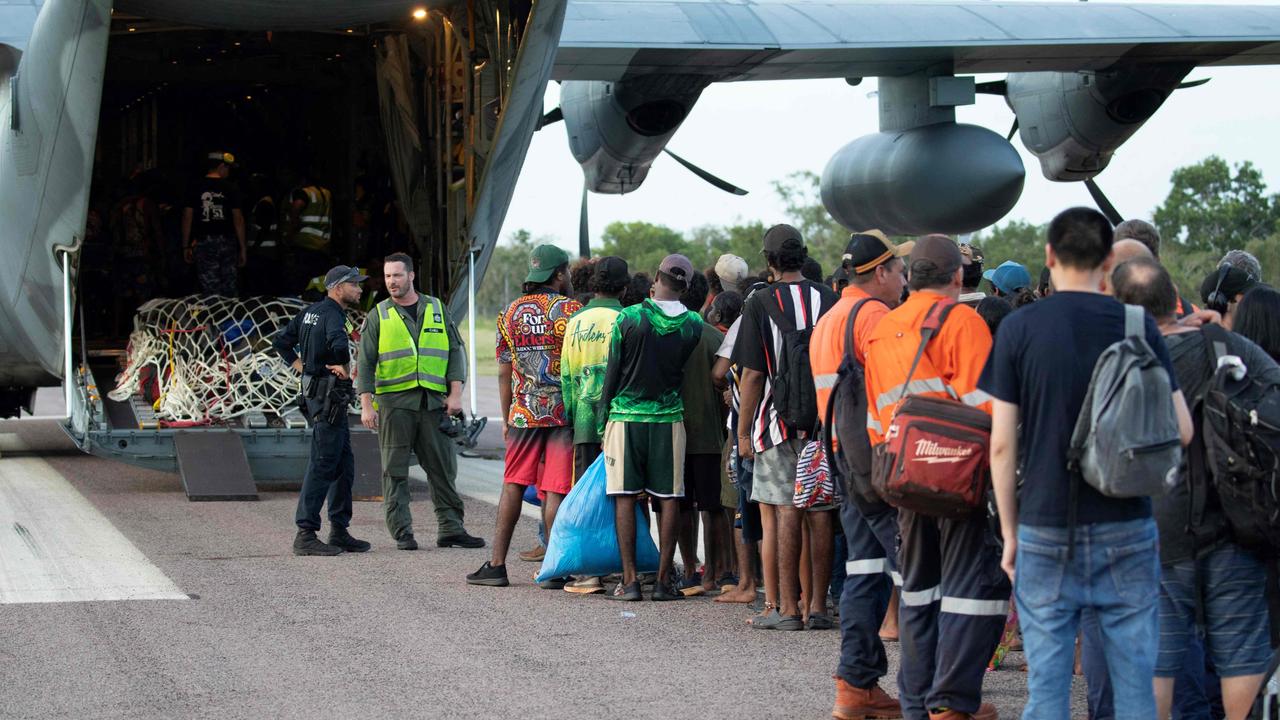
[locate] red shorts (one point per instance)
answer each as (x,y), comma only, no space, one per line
(541,457)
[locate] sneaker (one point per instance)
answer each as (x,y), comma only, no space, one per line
(626,593)
(534,555)
(406,542)
(460,540)
(339,537)
(856,704)
(489,575)
(306,543)
(986,711)
(585,586)
(663,592)
(556,583)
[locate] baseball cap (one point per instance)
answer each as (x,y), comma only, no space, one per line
(936,252)
(339,274)
(677,266)
(1229,280)
(732,271)
(780,236)
(1009,278)
(612,270)
(543,262)
(869,249)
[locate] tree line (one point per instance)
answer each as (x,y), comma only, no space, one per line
(1211,208)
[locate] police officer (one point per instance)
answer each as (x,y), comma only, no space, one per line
(321,332)
(411,360)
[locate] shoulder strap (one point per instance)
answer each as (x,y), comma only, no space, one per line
(1135,321)
(774,310)
(1215,341)
(932,324)
(849,324)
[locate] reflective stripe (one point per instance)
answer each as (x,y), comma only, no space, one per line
(969,606)
(874,424)
(313,231)
(916,598)
(396,354)
(431,352)
(897,577)
(314,218)
(975,398)
(414,377)
(824,381)
(872,566)
(890,396)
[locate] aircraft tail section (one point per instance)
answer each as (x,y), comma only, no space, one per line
(49,107)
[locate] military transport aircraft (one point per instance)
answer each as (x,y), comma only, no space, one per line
(459,88)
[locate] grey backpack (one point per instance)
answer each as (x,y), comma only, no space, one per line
(1126,441)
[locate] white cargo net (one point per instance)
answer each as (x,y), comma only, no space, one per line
(211,358)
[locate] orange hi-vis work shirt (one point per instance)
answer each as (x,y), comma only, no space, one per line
(826,346)
(950,367)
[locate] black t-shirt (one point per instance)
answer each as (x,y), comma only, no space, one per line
(804,302)
(1042,361)
(211,201)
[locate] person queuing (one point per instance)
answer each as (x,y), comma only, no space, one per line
(412,362)
(1039,373)
(642,416)
(877,277)
(793,305)
(322,333)
(583,363)
(953,600)
(213,236)
(536,430)
(1206,578)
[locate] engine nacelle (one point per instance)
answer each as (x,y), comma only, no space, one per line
(944,177)
(1075,121)
(616,129)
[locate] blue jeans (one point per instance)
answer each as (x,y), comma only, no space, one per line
(1197,694)
(1115,572)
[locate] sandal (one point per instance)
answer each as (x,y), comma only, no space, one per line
(768,621)
(789,622)
(819,621)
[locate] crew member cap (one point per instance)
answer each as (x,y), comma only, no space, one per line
(1009,278)
(225,157)
(543,262)
(339,274)
(936,253)
(611,270)
(870,249)
(780,236)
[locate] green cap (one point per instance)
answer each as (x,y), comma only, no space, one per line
(543,262)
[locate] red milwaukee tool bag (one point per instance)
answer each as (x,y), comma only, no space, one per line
(934,457)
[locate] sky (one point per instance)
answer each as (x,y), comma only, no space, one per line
(752,133)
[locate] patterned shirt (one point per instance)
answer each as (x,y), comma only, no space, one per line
(529,338)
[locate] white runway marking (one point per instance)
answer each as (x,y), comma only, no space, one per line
(56,547)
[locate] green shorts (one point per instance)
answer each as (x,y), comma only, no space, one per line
(644,457)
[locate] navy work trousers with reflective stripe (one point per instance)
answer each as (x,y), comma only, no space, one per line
(331,471)
(873,549)
(951,611)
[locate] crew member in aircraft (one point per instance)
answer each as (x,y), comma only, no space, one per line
(411,371)
(321,335)
(213,235)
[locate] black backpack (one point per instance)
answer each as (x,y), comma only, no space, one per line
(851,462)
(794,398)
(1241,426)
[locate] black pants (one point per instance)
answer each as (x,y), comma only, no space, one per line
(872,541)
(952,611)
(331,471)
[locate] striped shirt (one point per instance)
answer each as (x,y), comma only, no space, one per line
(756,348)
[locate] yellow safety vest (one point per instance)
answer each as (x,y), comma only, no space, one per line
(405,365)
(316,219)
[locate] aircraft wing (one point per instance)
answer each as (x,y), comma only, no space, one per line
(776,40)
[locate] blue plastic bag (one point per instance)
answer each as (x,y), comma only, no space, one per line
(584,539)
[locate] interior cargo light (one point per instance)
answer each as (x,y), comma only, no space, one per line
(420,14)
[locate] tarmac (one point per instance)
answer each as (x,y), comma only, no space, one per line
(259,633)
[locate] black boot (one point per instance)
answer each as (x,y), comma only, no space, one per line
(306,543)
(461,540)
(406,542)
(339,537)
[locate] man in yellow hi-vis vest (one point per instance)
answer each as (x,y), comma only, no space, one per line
(311,212)
(412,361)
